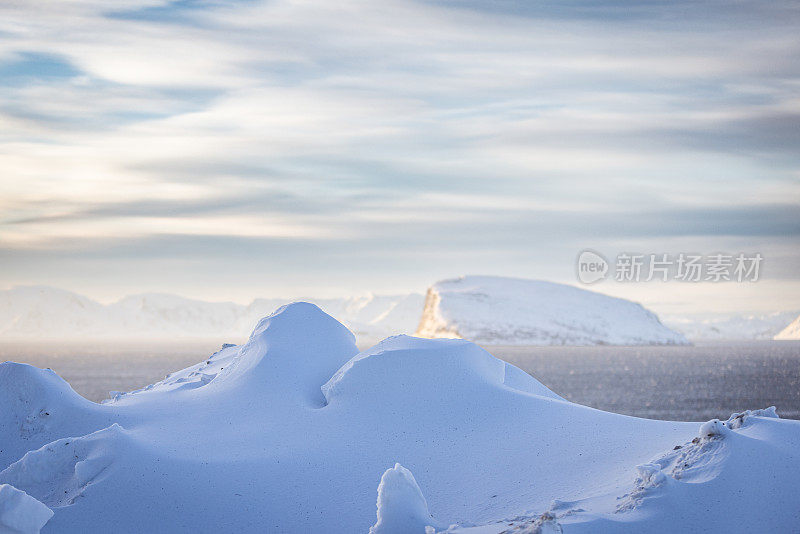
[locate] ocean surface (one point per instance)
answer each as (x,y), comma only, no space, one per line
(694,383)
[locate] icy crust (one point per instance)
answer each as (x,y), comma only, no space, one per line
(510,311)
(20,513)
(291,431)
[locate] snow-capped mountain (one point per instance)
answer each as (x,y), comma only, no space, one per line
(730,327)
(512,311)
(790,332)
(40,312)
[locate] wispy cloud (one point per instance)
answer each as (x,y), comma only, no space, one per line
(495,124)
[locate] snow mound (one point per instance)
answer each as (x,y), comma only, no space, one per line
(790,332)
(298,343)
(511,311)
(288,432)
(20,513)
(402,508)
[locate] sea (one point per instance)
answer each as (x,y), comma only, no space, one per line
(681,383)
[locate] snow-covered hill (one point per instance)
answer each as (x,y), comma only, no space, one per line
(729,326)
(512,311)
(790,332)
(297,431)
(46,313)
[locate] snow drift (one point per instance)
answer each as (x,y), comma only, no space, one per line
(297,431)
(511,311)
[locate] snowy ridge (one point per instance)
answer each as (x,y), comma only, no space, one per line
(291,432)
(512,311)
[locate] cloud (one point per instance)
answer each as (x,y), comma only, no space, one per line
(489,124)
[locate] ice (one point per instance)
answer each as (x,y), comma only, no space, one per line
(291,431)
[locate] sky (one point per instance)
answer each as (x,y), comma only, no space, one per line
(241,149)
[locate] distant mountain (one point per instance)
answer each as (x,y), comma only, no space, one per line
(496,310)
(730,327)
(790,332)
(39,311)
(46,313)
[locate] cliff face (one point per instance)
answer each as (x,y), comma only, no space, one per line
(790,332)
(432,324)
(512,311)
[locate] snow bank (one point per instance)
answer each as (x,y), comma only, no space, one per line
(291,432)
(511,311)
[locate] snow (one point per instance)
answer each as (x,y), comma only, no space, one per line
(401,506)
(790,332)
(511,311)
(20,513)
(46,313)
(294,430)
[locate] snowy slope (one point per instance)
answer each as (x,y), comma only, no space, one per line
(296,431)
(728,326)
(48,313)
(790,332)
(512,311)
